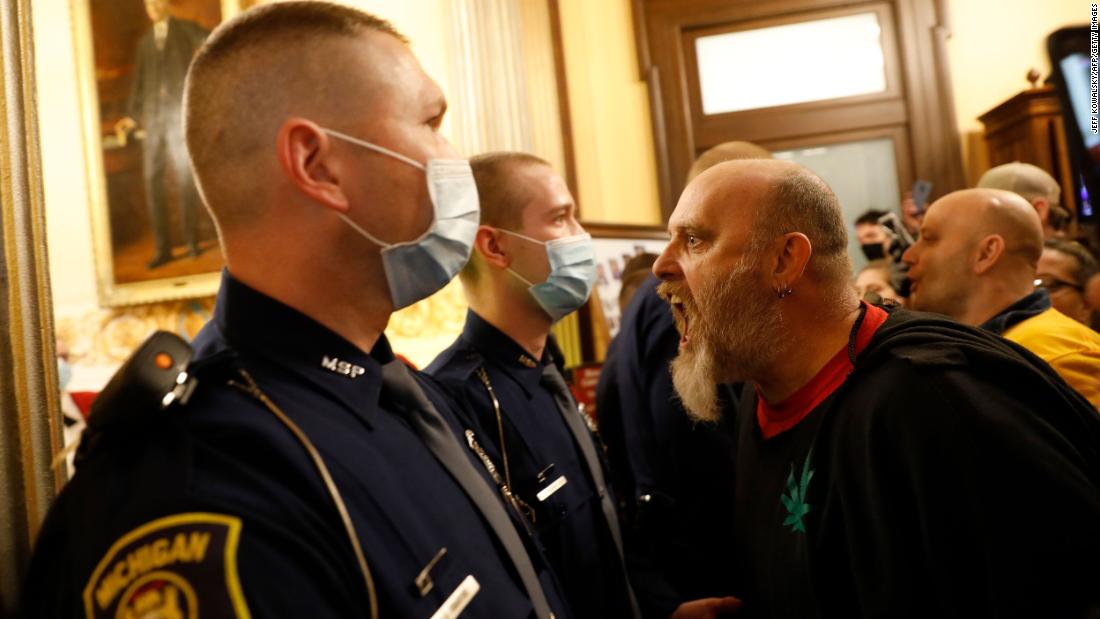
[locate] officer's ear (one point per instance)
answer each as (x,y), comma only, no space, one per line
(305,154)
(492,244)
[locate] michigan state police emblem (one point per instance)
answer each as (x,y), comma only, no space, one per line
(181,567)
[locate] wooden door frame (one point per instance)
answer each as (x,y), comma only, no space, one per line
(925,105)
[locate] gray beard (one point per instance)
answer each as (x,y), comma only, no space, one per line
(693,376)
(738,332)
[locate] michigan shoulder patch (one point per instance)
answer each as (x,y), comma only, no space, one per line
(181,566)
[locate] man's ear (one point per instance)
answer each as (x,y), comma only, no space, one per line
(989,252)
(1042,206)
(795,250)
(306,158)
(488,243)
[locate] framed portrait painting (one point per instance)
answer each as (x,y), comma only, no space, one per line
(153,239)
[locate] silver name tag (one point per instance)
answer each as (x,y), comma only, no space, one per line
(549,490)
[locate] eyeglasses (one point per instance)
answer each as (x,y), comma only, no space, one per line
(1053,284)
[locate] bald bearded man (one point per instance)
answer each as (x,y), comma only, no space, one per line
(310,473)
(976,262)
(888,463)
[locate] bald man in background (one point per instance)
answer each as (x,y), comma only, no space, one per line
(726,151)
(888,463)
(976,262)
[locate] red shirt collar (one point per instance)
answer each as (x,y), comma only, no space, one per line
(777,418)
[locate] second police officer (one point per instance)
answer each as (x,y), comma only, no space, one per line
(532,265)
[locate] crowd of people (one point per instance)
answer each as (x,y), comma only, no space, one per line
(778,437)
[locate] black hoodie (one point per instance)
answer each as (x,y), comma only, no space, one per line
(953,474)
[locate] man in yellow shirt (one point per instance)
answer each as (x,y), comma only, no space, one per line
(976,262)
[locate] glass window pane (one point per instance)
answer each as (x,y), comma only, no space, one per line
(863,175)
(793,63)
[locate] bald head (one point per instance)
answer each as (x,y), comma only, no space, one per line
(756,262)
(773,198)
(316,60)
(976,255)
(726,151)
(984,212)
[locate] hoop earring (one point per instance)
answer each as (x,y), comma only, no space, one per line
(785,291)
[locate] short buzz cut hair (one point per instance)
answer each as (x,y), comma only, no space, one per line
(226,97)
(500,196)
(801,202)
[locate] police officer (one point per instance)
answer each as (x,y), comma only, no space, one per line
(310,473)
(534,264)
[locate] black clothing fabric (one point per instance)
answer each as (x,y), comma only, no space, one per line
(953,474)
(1032,305)
(675,476)
(542,437)
(225,454)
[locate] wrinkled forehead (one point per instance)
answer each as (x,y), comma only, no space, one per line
(721,201)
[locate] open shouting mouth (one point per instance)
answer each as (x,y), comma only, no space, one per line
(680,315)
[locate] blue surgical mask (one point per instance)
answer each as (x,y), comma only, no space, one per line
(572,273)
(419,268)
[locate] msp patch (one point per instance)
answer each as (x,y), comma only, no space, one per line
(180,567)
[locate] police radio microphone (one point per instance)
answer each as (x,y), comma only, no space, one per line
(152,378)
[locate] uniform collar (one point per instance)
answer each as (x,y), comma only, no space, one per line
(494,345)
(257,325)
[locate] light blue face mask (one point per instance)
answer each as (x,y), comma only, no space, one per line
(419,268)
(572,273)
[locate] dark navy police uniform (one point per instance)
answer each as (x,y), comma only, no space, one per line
(215,507)
(551,468)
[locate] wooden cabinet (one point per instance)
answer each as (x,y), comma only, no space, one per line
(1028,128)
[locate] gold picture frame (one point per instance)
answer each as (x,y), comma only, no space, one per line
(136,264)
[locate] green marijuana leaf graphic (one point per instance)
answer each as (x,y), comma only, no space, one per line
(795,499)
